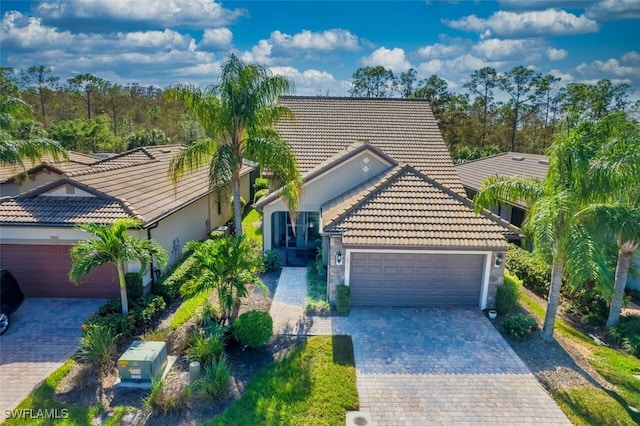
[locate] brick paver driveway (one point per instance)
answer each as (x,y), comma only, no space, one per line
(44,333)
(418,366)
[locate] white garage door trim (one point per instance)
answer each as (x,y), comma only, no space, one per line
(485,272)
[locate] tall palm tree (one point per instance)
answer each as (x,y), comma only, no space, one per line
(558,235)
(238,116)
(112,244)
(20,139)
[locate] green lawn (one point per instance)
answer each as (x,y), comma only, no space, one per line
(313,385)
(189,307)
(43,405)
(587,405)
(252,224)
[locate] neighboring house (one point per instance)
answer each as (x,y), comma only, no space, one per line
(40,207)
(383,204)
(472,174)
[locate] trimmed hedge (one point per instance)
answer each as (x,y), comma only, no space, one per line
(169,284)
(142,314)
(508,293)
(534,272)
(253,329)
(259,194)
(343,299)
(260,184)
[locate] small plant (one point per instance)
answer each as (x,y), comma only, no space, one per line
(270,261)
(159,335)
(508,293)
(208,315)
(626,333)
(160,400)
(98,346)
(205,349)
(261,183)
(520,326)
(313,306)
(343,299)
(253,328)
(260,194)
(215,380)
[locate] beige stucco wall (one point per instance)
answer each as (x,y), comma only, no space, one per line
(328,186)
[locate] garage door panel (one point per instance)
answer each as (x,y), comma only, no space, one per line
(415,279)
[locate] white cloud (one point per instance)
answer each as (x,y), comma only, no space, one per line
(19,32)
(609,67)
(325,41)
(392,59)
(631,58)
(439,50)
(216,39)
(496,49)
(544,4)
(556,54)
(564,77)
(609,10)
(154,13)
(260,53)
(542,23)
(311,81)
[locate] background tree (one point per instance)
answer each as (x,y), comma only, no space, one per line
(517,83)
(238,116)
(87,85)
(38,79)
(113,245)
(481,85)
(151,137)
(406,83)
(372,82)
(87,136)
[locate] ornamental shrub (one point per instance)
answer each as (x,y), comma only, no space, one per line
(343,299)
(215,381)
(253,328)
(134,285)
(270,261)
(520,326)
(259,194)
(169,284)
(205,349)
(260,184)
(534,272)
(508,293)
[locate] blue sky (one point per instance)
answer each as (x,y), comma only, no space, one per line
(320,44)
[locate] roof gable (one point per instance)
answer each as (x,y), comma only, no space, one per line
(405,208)
(405,129)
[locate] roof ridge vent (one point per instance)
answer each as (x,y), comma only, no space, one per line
(543,161)
(517,158)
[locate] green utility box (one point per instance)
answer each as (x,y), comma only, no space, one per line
(143,361)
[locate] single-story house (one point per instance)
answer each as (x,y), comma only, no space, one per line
(39,208)
(383,204)
(472,174)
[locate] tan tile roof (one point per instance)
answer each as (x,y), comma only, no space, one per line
(474,172)
(405,129)
(405,208)
(77,161)
(139,180)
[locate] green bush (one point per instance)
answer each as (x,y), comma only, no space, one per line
(534,272)
(142,314)
(508,293)
(343,299)
(205,349)
(215,381)
(591,306)
(253,328)
(626,333)
(270,261)
(216,234)
(520,326)
(98,346)
(260,184)
(313,306)
(259,194)
(135,289)
(168,285)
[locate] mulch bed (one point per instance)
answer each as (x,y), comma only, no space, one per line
(83,386)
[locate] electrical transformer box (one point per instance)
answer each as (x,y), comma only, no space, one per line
(143,361)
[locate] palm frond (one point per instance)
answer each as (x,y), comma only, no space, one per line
(195,155)
(511,189)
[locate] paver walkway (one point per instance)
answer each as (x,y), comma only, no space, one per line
(44,333)
(418,366)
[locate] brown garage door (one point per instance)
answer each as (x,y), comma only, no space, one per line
(42,271)
(415,279)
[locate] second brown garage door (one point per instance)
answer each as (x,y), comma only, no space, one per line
(415,279)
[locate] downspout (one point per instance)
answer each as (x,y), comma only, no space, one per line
(153,280)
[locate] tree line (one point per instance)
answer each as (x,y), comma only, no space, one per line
(518,110)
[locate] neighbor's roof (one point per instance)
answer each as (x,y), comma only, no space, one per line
(405,208)
(77,161)
(405,129)
(137,179)
(474,172)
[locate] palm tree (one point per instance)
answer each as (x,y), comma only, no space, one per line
(20,138)
(226,265)
(558,235)
(238,116)
(112,244)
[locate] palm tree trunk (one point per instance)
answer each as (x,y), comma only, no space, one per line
(123,289)
(554,299)
(236,205)
(622,270)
